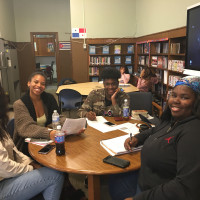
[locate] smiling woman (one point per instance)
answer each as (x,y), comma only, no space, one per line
(107,101)
(170,154)
(33,112)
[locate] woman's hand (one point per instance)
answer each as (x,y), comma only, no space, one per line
(113,97)
(52,134)
(91,115)
(129,143)
(35,165)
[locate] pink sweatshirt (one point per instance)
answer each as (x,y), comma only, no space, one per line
(124,78)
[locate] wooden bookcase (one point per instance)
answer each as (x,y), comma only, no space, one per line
(167,57)
(109,53)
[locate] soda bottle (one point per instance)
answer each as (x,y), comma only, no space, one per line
(60,141)
(125,110)
(55,119)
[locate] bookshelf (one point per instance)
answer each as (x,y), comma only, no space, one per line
(167,57)
(109,53)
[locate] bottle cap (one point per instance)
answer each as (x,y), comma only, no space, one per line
(58,127)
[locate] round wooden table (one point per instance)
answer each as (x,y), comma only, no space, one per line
(84,155)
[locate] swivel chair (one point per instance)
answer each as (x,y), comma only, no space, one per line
(69,100)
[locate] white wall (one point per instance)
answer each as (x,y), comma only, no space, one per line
(42,16)
(105,18)
(160,15)
(7,23)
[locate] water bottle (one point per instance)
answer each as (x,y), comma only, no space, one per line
(60,141)
(126,110)
(55,119)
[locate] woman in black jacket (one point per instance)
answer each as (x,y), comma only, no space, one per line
(170,161)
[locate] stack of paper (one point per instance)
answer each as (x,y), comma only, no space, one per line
(39,141)
(115,146)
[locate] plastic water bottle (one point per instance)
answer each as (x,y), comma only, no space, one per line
(55,119)
(126,110)
(60,141)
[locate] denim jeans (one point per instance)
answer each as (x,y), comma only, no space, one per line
(44,180)
(123,185)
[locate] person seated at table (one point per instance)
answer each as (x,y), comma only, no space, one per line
(33,112)
(107,101)
(21,177)
(125,76)
(146,80)
(170,158)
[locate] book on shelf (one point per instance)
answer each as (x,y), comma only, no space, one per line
(130,48)
(128,60)
(176,65)
(165,77)
(175,48)
(115,146)
(165,47)
(146,47)
(117,49)
(147,60)
(141,49)
(130,69)
(92,49)
(160,64)
(154,61)
(105,49)
(93,71)
(141,60)
(117,60)
(157,47)
(173,79)
(164,62)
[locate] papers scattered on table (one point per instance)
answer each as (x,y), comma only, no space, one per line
(100,125)
(115,146)
(73,126)
(40,141)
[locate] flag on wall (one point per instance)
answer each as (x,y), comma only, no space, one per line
(64,45)
(79,33)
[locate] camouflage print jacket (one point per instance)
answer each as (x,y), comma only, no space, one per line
(96,102)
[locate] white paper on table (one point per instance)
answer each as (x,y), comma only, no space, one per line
(100,125)
(73,126)
(128,128)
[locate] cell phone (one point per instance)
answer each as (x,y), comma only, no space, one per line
(109,123)
(116,161)
(46,149)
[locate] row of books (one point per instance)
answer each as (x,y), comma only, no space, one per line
(93,71)
(99,60)
(117,49)
(164,49)
(176,65)
(159,61)
(173,79)
(175,48)
(143,60)
(144,48)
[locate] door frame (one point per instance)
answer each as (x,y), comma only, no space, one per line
(56,49)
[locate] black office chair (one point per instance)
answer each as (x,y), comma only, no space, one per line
(69,100)
(141,101)
(10,127)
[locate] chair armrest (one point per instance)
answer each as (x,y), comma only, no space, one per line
(158,107)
